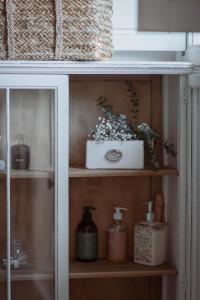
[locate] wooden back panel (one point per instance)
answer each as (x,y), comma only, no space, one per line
(104,194)
(118,289)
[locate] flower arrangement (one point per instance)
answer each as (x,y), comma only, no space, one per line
(112,126)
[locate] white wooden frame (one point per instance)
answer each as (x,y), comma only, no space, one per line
(175,98)
(193,239)
(60,85)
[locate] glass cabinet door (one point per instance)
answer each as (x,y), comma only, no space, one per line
(34,254)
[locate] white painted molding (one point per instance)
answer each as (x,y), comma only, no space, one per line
(194,289)
(194,79)
(100,67)
(182,215)
(131,40)
(193,54)
(193,240)
(176,189)
(188,205)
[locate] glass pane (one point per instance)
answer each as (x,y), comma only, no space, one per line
(3,240)
(32,139)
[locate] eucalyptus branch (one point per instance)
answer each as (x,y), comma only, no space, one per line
(135,101)
(150,138)
(105,107)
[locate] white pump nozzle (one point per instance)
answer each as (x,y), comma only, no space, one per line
(150,215)
(117,215)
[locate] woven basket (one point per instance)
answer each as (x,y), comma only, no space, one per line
(55,29)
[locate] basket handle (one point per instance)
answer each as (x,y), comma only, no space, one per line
(10,27)
(59,30)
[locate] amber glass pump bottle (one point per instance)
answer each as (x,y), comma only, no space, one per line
(86,237)
(20,154)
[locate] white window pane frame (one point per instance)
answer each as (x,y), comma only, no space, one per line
(60,83)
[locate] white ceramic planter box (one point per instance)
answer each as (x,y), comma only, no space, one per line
(115,155)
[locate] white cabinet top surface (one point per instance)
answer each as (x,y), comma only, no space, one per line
(95,67)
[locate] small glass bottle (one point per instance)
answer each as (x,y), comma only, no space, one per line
(2,162)
(19,256)
(117,237)
(20,154)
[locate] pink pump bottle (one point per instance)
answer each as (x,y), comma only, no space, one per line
(117,237)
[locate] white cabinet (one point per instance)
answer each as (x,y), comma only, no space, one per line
(163,87)
(193,291)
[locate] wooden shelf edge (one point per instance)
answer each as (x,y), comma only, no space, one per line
(28,174)
(28,277)
(104,269)
(36,271)
(33,277)
(82,172)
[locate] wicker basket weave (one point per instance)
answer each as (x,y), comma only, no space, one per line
(55,29)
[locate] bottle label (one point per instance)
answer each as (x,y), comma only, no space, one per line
(143,244)
(20,157)
(87,245)
(117,246)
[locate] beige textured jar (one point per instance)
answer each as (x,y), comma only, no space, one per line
(149,243)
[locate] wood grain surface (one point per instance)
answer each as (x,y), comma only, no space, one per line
(103,268)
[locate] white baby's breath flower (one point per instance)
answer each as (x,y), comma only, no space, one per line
(111,128)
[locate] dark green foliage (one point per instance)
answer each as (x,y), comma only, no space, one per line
(135,101)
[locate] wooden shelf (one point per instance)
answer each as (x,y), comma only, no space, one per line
(29,173)
(105,269)
(81,172)
(30,273)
